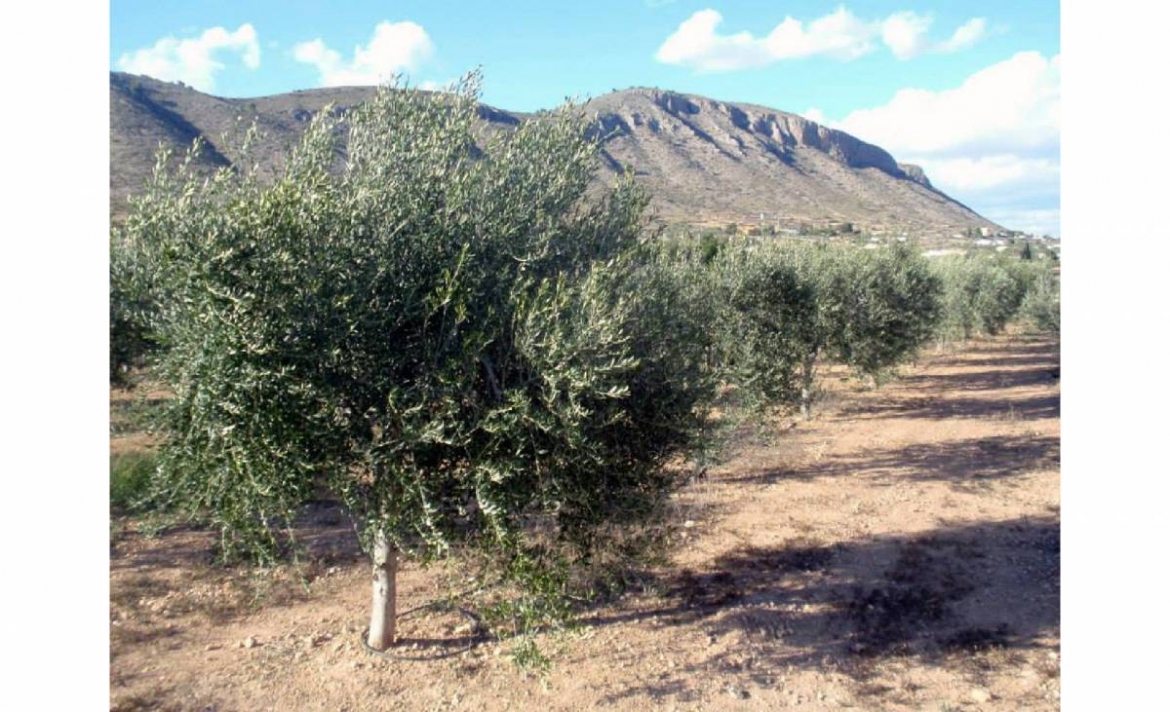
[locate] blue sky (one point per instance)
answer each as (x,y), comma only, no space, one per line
(969,90)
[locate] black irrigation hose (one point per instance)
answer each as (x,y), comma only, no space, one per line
(477,627)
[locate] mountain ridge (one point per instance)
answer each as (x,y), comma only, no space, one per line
(704,161)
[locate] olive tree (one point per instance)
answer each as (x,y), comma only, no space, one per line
(874,308)
(767,320)
(981,294)
(1041,305)
(432,322)
(130,338)
(781,309)
(888,310)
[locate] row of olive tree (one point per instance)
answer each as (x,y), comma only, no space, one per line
(982,294)
(783,310)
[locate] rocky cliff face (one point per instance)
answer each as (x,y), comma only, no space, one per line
(704,161)
(775,129)
(713,161)
(916,174)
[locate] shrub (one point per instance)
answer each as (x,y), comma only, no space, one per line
(442,331)
(883,305)
(874,308)
(981,295)
(130,476)
(779,310)
(764,330)
(1041,305)
(130,337)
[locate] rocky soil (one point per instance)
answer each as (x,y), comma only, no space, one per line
(901,551)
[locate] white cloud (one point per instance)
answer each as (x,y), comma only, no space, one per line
(993,142)
(905,33)
(695,43)
(443,85)
(816,115)
(839,35)
(395,47)
(974,175)
(1012,106)
(1040,221)
(968,34)
(192,61)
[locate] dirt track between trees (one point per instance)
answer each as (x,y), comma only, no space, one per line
(901,551)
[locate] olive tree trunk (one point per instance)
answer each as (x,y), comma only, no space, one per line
(807,378)
(383,615)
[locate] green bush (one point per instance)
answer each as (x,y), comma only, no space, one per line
(779,310)
(710,245)
(881,307)
(130,337)
(443,331)
(1041,305)
(130,477)
(874,308)
(981,294)
(768,314)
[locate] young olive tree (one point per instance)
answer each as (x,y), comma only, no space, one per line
(981,295)
(435,325)
(890,308)
(130,338)
(768,320)
(1041,305)
(780,310)
(874,308)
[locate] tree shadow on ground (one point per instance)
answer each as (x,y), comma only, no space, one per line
(969,393)
(178,546)
(175,573)
(936,596)
(1030,358)
(326,534)
(989,380)
(1041,407)
(322,533)
(1021,352)
(964,464)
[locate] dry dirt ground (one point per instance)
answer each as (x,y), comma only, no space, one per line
(901,551)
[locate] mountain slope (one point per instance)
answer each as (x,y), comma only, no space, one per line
(704,161)
(707,160)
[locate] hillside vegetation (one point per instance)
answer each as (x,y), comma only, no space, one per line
(702,160)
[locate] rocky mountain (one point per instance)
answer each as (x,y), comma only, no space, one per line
(704,161)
